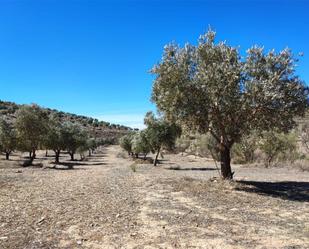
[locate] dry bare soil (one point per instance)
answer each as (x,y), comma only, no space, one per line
(103,203)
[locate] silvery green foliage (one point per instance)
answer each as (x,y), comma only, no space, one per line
(31,126)
(160,133)
(210,87)
(73,136)
(55,135)
(126,142)
(140,143)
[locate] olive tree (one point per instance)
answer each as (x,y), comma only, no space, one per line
(74,137)
(91,145)
(160,133)
(30,124)
(7,138)
(55,137)
(126,142)
(210,87)
(141,144)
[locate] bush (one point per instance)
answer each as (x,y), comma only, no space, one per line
(182,144)
(244,151)
(278,147)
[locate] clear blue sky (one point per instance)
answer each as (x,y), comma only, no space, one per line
(93,57)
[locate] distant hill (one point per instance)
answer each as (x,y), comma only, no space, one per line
(99,129)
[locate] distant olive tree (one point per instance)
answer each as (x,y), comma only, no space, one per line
(8,139)
(275,144)
(210,87)
(31,125)
(74,137)
(91,145)
(160,133)
(126,142)
(55,137)
(141,144)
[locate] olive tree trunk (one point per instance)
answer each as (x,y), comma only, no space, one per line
(7,155)
(225,158)
(57,155)
(32,156)
(156,158)
(72,155)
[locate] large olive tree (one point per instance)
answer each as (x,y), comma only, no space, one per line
(210,87)
(31,126)
(55,137)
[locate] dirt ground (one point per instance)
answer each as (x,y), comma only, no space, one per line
(103,203)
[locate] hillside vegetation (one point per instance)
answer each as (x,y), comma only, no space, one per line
(98,129)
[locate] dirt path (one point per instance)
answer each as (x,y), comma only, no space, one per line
(102,203)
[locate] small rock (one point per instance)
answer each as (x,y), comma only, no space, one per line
(19,171)
(79,242)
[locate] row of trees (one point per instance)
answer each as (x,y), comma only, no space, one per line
(211,87)
(159,134)
(34,129)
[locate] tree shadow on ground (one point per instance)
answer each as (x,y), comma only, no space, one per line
(287,190)
(98,155)
(64,168)
(93,161)
(72,164)
(193,169)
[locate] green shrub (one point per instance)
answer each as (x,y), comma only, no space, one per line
(243,151)
(278,146)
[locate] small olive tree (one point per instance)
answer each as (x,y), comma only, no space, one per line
(160,133)
(8,140)
(31,125)
(126,142)
(210,87)
(141,144)
(275,144)
(74,137)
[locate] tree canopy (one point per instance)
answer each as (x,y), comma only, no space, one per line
(160,133)
(31,126)
(210,87)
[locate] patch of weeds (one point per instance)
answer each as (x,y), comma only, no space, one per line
(133,167)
